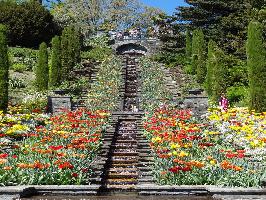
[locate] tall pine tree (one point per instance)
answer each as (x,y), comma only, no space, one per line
(55,70)
(4,66)
(256,57)
(224,21)
(42,70)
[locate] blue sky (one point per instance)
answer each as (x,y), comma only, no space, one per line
(166,5)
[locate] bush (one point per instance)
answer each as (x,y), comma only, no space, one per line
(29,23)
(96,54)
(236,94)
(16,83)
(19,67)
(4,67)
(238,72)
(171,59)
(23,56)
(42,70)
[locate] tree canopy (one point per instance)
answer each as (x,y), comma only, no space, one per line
(28,22)
(94,15)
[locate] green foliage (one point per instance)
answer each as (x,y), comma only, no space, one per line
(237,94)
(97,54)
(98,41)
(4,66)
(55,70)
(170,59)
(154,91)
(29,23)
(188,44)
(16,83)
(71,48)
(19,67)
(198,55)
(220,74)
(210,67)
(237,72)
(23,57)
(104,92)
(223,21)
(42,70)
(256,55)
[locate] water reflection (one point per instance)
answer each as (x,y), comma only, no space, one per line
(120,197)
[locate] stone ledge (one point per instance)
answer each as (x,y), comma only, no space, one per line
(27,191)
(152,189)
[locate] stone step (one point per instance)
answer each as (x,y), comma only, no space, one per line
(124,181)
(121,187)
(115,175)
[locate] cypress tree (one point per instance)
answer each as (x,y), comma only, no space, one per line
(198,55)
(42,70)
(210,67)
(188,44)
(55,70)
(220,72)
(71,47)
(4,66)
(77,44)
(256,57)
(65,54)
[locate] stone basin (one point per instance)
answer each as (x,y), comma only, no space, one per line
(125,196)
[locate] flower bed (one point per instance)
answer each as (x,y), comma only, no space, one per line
(104,92)
(153,89)
(241,127)
(50,150)
(58,153)
(194,153)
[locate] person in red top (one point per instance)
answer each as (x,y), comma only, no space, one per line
(223,102)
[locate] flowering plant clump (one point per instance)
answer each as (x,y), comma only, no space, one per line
(104,92)
(59,153)
(241,127)
(192,153)
(17,124)
(153,90)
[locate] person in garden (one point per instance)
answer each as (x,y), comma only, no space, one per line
(223,102)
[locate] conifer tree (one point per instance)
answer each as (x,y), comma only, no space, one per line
(77,44)
(198,55)
(256,57)
(224,21)
(42,70)
(55,70)
(4,66)
(65,54)
(71,47)
(188,44)
(210,67)
(220,74)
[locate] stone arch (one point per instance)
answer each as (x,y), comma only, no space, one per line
(130,48)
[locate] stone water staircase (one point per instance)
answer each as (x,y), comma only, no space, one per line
(124,160)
